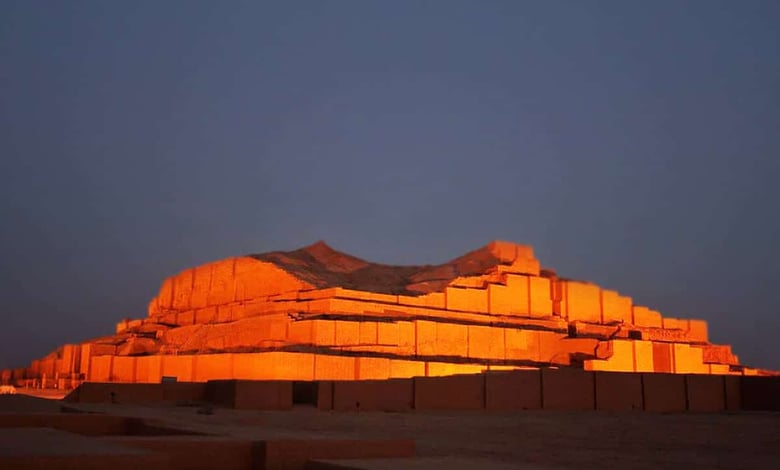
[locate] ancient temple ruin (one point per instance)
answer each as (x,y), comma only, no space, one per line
(319,314)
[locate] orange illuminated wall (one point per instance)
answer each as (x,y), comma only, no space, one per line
(310,314)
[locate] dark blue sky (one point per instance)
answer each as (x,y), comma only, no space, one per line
(632,143)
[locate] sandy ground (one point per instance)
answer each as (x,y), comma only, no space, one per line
(555,440)
(44,441)
(43,393)
(530,439)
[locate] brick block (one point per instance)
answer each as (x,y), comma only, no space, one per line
(499,300)
(675,324)
(292,366)
(167,318)
(511,299)
(720,369)
(689,360)
(467,300)
(516,344)
(253,307)
(212,367)
(472,282)
(485,342)
(528,266)
(185,318)
(718,354)
(436,300)
(663,360)
(85,358)
(425,338)
(349,306)
(618,391)
(223,283)
(516,390)
(317,305)
(387,334)
(100,368)
(373,368)
(432,300)
(148,369)
(582,302)
(664,392)
(284,297)
(324,332)
(456,392)
(70,359)
(567,389)
(622,359)
(647,318)
(406,369)
(123,369)
(581,347)
(274,365)
(178,366)
(300,332)
(256,279)
(347,333)
(706,393)
(557,291)
(165,297)
(697,330)
(643,356)
(540,300)
(368,332)
(368,296)
(182,289)
(407,338)
(615,308)
(584,347)
(238,311)
(549,345)
(451,340)
(49,366)
(206,315)
(201,286)
(328,367)
(317,294)
(373,395)
(441,369)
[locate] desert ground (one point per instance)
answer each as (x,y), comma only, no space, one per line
(530,439)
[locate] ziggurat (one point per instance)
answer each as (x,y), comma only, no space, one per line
(318,314)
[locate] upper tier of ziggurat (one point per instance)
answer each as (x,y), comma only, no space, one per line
(318,314)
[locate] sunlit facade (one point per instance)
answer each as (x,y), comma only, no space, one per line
(318,314)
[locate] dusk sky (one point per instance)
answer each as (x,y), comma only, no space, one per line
(635,144)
